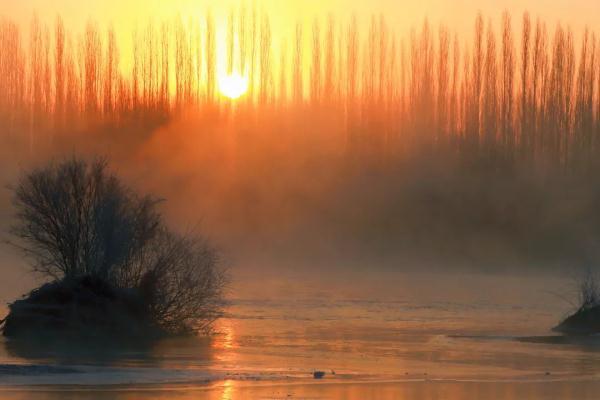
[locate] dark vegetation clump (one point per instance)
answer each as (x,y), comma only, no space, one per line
(75,305)
(113,265)
(586,319)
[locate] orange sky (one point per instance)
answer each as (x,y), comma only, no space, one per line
(458,15)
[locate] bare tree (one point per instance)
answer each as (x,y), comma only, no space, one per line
(298,61)
(329,63)
(473,130)
(59,72)
(231,43)
(181,282)
(283,75)
(110,74)
(490,92)
(242,40)
(589,290)
(76,220)
(526,128)
(210,58)
(316,83)
(92,61)
(507,96)
(442,81)
(265,59)
(352,60)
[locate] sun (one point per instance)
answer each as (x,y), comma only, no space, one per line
(233,86)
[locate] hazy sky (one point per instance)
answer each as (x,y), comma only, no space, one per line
(458,13)
(401,16)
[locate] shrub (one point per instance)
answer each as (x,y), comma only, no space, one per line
(589,290)
(77,220)
(181,284)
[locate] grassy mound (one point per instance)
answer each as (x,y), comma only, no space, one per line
(83,307)
(585,321)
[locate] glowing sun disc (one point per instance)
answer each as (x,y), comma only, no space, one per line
(233,86)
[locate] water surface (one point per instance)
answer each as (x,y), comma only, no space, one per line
(381,341)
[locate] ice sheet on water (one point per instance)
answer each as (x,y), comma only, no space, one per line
(50,375)
(33,370)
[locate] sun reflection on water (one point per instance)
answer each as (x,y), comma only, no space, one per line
(226,338)
(227,391)
(225,342)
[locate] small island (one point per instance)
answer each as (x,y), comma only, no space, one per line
(112,267)
(585,321)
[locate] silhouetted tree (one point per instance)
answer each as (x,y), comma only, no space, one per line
(77,220)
